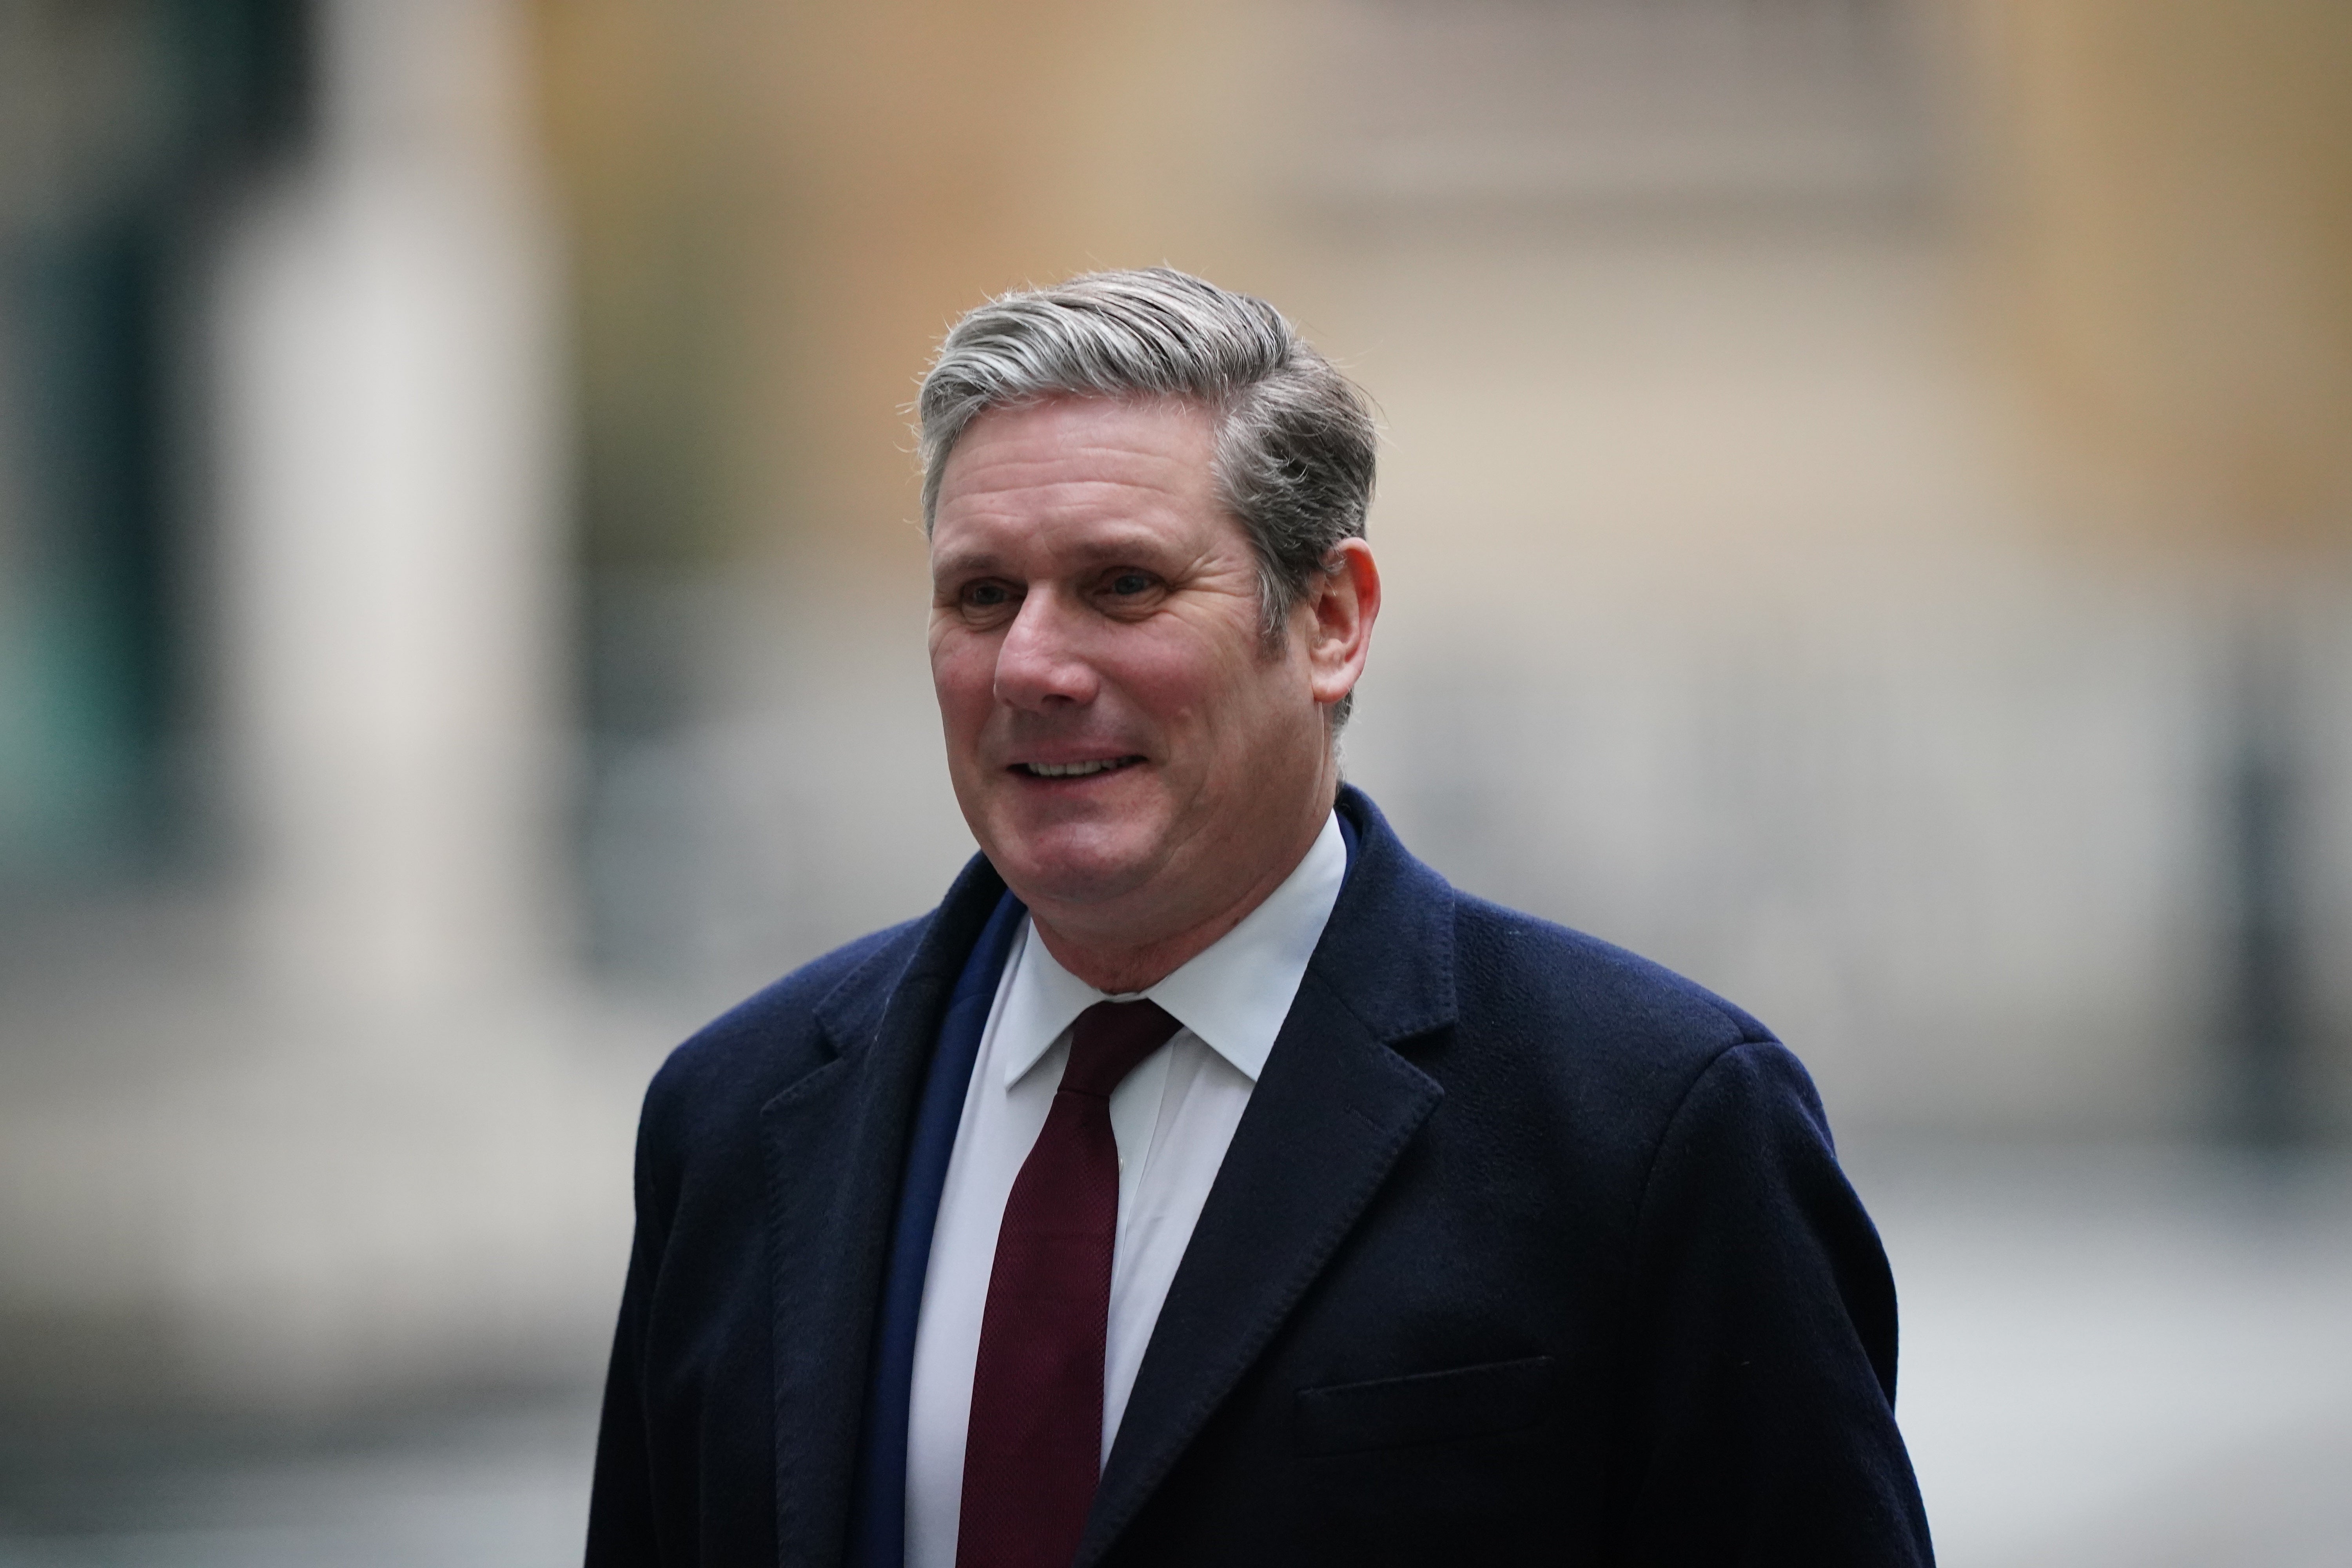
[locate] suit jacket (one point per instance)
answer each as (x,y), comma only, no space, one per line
(1526,1250)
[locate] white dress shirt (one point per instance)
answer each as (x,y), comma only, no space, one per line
(1173,1118)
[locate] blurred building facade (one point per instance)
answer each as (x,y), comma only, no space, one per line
(1791,570)
(1840,454)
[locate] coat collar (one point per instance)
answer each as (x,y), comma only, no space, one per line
(1335,1108)
(1387,951)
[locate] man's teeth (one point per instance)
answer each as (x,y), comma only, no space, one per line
(1073,769)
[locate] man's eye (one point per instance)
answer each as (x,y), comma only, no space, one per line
(986,596)
(1126,583)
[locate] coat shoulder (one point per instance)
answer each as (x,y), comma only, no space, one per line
(1626,1038)
(1517,961)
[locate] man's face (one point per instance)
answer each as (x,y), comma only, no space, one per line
(1124,744)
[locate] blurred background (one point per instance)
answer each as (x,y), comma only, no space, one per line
(1867,511)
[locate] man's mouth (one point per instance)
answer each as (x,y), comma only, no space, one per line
(1074,770)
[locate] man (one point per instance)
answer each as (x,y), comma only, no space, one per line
(1206,1181)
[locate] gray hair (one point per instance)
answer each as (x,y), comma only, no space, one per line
(1294,437)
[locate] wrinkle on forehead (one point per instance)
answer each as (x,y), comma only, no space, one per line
(1159,410)
(1068,427)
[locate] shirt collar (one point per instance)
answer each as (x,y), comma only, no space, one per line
(1233,994)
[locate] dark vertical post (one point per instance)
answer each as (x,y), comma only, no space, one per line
(2266,1032)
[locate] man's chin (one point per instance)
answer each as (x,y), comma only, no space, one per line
(1064,866)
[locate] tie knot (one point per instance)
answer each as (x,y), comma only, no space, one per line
(1110,1040)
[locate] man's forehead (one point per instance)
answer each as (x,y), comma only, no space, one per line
(1081,440)
(1079,478)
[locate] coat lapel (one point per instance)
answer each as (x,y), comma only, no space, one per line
(835,1143)
(1335,1108)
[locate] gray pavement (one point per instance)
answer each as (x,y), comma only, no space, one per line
(505,1489)
(2125,1357)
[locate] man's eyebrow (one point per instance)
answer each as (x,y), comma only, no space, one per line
(1111,547)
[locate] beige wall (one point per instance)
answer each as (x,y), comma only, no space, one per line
(2169,186)
(798,199)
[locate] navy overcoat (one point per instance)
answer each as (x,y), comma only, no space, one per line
(1526,1251)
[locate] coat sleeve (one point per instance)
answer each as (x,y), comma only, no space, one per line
(1759,1425)
(622,1530)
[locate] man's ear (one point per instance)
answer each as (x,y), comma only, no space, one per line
(1342,601)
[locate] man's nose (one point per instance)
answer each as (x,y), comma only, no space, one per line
(1040,663)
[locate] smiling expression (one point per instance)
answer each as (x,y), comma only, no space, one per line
(1130,752)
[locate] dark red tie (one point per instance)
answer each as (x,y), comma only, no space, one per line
(1033,1451)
